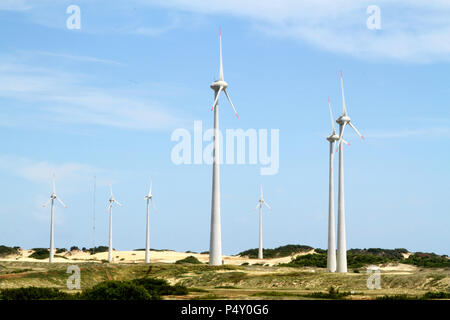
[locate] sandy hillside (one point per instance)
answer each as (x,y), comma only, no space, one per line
(139,256)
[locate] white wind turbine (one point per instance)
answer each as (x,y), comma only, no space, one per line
(215,245)
(261,201)
(149,198)
(53,197)
(332,138)
(342,246)
(111,201)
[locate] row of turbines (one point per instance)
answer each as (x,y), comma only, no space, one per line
(335,263)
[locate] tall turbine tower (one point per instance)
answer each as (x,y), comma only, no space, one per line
(332,138)
(261,201)
(342,247)
(215,244)
(53,197)
(149,198)
(111,201)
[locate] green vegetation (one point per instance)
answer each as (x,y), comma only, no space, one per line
(428,260)
(118,290)
(97,249)
(6,251)
(190,259)
(33,293)
(40,253)
(308,260)
(61,250)
(333,293)
(283,251)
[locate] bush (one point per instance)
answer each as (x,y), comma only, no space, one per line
(6,251)
(428,260)
(283,251)
(98,249)
(116,290)
(160,287)
(40,253)
(333,293)
(308,260)
(61,250)
(436,295)
(33,293)
(74,248)
(190,259)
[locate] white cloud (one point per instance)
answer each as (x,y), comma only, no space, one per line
(413,31)
(66,98)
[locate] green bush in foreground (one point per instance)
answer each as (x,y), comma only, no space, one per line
(33,293)
(137,289)
(283,251)
(117,290)
(6,251)
(428,260)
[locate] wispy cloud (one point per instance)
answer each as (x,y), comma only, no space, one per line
(53,96)
(415,31)
(79,58)
(427,133)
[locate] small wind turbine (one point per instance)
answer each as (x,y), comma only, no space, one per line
(342,246)
(261,201)
(215,245)
(53,197)
(149,198)
(111,201)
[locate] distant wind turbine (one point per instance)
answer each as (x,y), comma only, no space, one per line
(215,246)
(342,246)
(149,198)
(53,197)
(261,201)
(112,200)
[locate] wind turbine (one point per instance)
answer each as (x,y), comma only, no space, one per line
(342,247)
(53,197)
(261,201)
(149,198)
(215,245)
(112,200)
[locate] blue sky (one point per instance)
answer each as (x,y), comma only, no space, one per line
(104,100)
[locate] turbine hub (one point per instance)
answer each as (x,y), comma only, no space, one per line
(333,137)
(217,84)
(343,119)
(53,196)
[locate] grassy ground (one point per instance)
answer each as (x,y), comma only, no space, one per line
(232,282)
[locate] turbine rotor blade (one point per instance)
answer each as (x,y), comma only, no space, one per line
(221,64)
(46,204)
(257,206)
(54,183)
(60,201)
(217,98)
(331,115)
(118,203)
(267,205)
(345,142)
(110,190)
(228,97)
(356,130)
(344,108)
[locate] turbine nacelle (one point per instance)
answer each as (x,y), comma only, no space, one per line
(343,119)
(219,83)
(333,137)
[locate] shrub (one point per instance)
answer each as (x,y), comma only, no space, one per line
(283,251)
(61,250)
(116,290)
(333,293)
(428,260)
(190,259)
(308,260)
(98,249)
(6,251)
(436,295)
(74,248)
(33,293)
(40,253)
(160,287)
